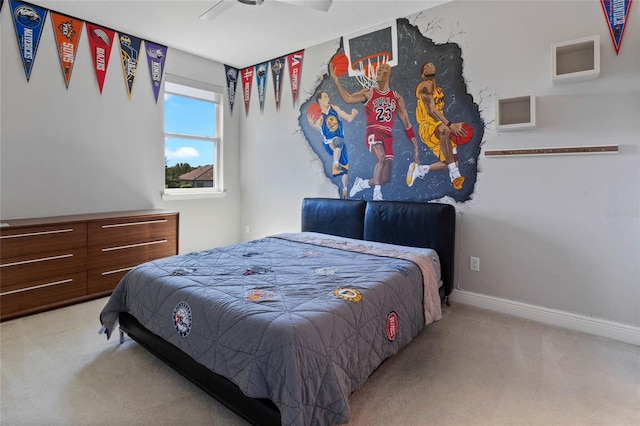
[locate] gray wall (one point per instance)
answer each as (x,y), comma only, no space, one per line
(66,151)
(561,232)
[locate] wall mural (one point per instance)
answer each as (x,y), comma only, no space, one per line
(392,118)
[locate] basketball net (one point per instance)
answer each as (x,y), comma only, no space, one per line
(365,69)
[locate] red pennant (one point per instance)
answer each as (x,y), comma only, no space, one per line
(100,42)
(295,70)
(247,79)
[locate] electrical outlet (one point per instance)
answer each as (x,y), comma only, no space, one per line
(246,229)
(474,263)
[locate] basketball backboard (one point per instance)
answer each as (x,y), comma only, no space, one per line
(379,43)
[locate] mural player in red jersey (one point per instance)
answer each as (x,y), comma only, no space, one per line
(381,104)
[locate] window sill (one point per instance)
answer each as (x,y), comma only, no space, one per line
(191,195)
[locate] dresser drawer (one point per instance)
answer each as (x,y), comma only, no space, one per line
(105,280)
(24,269)
(41,239)
(42,295)
(131,254)
(131,230)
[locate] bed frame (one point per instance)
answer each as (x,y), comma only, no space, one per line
(430,225)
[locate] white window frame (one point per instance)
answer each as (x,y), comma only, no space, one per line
(198,90)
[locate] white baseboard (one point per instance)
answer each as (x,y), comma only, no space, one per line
(599,327)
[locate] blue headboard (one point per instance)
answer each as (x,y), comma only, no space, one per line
(429,225)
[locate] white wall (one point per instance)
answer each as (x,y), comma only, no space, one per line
(279,166)
(74,151)
(561,232)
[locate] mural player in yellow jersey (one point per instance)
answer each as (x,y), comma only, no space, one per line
(435,130)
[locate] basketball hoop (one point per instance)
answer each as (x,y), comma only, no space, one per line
(365,69)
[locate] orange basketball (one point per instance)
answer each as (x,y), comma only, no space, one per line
(340,63)
(461,140)
(314,112)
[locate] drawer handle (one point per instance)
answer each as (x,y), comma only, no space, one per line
(118,225)
(115,271)
(33,234)
(40,259)
(134,245)
(6,293)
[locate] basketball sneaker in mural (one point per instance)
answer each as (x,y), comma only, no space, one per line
(416,171)
(358,185)
(377,194)
(456,179)
(412,174)
(338,169)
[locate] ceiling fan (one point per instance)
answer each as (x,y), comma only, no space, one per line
(223,5)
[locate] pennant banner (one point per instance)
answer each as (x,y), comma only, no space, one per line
(277,72)
(28,21)
(247,80)
(129,53)
(66,31)
(261,81)
(156,54)
(295,70)
(616,13)
(232,82)
(100,42)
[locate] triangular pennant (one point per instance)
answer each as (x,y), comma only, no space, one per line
(156,55)
(28,21)
(100,42)
(616,13)
(261,80)
(277,73)
(129,56)
(247,79)
(232,81)
(295,70)
(67,31)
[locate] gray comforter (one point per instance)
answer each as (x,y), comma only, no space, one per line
(302,319)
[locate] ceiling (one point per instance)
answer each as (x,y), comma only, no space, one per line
(243,35)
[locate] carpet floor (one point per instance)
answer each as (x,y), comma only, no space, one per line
(474,367)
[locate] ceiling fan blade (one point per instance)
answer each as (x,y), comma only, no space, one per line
(322,5)
(220,7)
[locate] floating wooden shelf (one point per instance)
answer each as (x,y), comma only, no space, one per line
(576,60)
(516,113)
(601,149)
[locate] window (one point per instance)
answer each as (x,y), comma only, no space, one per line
(192,141)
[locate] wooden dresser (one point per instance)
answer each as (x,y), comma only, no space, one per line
(46,263)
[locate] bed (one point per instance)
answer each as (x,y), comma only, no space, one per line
(283,329)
